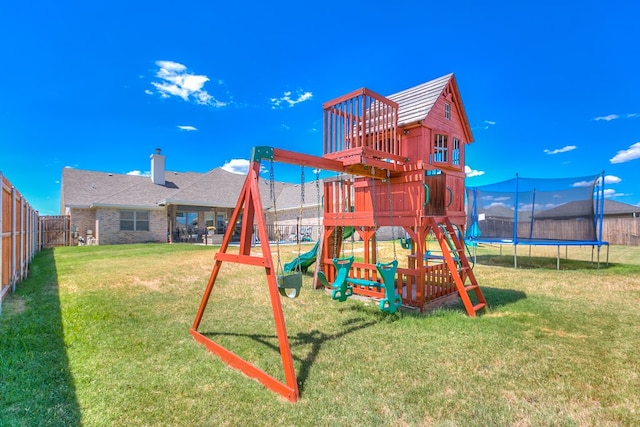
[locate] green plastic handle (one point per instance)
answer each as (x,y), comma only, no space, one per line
(427,194)
(450,196)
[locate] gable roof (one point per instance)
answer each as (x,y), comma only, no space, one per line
(573,209)
(291,196)
(611,207)
(216,188)
(415,103)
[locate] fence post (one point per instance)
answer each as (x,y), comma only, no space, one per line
(23,252)
(13,238)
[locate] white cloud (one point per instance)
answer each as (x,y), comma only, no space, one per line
(486,124)
(607,118)
(561,150)
(471,173)
(285,127)
(616,116)
(611,179)
(138,173)
(610,192)
(238,166)
(187,128)
(583,183)
(608,179)
(176,81)
(622,156)
(300,96)
(148,92)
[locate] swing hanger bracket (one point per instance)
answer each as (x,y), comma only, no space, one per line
(261,152)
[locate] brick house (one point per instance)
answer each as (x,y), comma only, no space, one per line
(181,206)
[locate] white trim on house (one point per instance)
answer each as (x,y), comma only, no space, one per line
(167,202)
(137,207)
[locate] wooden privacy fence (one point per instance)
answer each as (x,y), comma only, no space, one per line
(55,230)
(19,225)
(621,231)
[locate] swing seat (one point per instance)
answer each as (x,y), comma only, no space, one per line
(405,243)
(289,285)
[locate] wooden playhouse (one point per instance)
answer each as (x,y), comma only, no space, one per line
(405,153)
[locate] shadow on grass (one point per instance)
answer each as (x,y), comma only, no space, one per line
(497,297)
(532,262)
(316,339)
(36,385)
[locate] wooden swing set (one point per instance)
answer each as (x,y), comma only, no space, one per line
(363,142)
(250,206)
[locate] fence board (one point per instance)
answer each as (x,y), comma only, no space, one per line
(621,231)
(55,230)
(19,223)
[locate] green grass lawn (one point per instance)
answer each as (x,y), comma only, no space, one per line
(99,336)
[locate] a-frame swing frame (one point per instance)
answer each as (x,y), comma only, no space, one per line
(250,205)
(250,200)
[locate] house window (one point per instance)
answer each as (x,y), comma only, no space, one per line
(455,152)
(220,224)
(208,220)
(187,222)
(134,220)
(440,149)
(447,111)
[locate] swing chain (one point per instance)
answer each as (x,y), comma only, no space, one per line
(300,219)
(393,232)
(317,172)
(271,181)
(301,184)
(272,194)
(375,209)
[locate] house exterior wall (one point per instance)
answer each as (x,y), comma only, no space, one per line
(108,228)
(85,221)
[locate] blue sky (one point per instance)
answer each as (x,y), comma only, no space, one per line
(551,88)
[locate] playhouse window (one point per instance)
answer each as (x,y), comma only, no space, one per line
(440,149)
(455,152)
(134,220)
(447,111)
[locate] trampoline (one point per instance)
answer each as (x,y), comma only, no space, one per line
(538,212)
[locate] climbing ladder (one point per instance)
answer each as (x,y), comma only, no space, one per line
(453,251)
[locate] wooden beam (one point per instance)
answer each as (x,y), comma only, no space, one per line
(291,157)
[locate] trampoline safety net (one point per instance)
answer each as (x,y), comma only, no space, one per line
(522,210)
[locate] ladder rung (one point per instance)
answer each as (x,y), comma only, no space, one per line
(471,287)
(479,306)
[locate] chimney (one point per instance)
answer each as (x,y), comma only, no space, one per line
(157,167)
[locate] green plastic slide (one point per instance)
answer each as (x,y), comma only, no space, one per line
(308,258)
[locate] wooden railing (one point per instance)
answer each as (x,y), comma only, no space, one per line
(361,121)
(19,227)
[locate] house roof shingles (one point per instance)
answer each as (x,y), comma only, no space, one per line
(217,187)
(415,103)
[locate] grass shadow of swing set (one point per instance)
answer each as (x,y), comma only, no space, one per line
(314,338)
